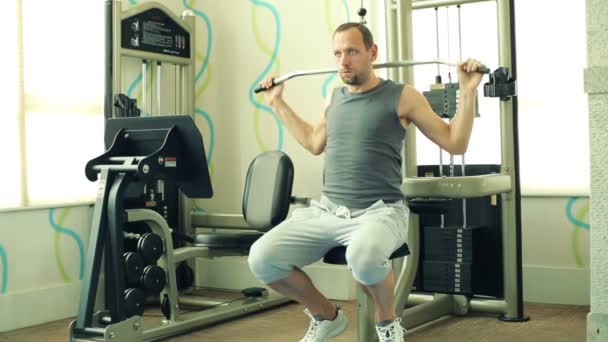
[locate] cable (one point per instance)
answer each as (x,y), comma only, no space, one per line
(438,77)
(447,19)
(464,200)
(447,16)
(459,35)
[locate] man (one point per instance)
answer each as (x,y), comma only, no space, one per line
(361,132)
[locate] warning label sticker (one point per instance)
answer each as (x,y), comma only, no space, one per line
(170,162)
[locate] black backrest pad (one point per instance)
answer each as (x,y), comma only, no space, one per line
(267,193)
(194,180)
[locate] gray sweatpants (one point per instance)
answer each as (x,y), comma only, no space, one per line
(371,236)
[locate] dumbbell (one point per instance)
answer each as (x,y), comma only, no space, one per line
(184,276)
(153,279)
(135,299)
(149,246)
(134,267)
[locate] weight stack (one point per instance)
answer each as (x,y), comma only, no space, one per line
(444,101)
(484,216)
(453,262)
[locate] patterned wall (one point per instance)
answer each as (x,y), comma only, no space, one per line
(239,43)
(41,248)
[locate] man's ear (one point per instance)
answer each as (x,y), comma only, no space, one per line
(373,52)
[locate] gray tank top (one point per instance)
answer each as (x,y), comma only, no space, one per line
(363,151)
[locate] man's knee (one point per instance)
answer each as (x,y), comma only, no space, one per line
(264,263)
(258,258)
(369,264)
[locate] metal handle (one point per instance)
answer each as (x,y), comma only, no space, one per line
(397,64)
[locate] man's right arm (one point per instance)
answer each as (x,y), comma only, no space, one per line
(312,137)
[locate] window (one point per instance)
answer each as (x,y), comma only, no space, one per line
(10,179)
(553,113)
(479,41)
(59,126)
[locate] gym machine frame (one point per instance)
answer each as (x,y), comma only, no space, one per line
(426,307)
(506,183)
(106,225)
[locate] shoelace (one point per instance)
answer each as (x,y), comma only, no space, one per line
(313,328)
(389,332)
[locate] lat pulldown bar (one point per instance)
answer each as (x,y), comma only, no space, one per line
(397,64)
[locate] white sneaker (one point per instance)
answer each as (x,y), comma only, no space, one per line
(393,332)
(320,331)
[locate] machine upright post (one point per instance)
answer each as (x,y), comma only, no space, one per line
(511,203)
(116,67)
(92,268)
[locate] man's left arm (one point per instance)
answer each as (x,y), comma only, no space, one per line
(453,137)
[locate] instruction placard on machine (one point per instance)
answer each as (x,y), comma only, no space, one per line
(155,31)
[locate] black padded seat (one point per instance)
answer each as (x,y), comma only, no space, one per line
(226,240)
(429,205)
(337,255)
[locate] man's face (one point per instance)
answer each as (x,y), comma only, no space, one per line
(353,59)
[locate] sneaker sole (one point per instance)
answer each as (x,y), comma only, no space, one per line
(340,329)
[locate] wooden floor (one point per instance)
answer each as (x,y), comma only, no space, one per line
(554,323)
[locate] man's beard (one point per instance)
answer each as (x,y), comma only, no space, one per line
(356,80)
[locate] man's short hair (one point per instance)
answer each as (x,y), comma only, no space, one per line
(368,39)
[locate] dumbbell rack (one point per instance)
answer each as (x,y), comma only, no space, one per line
(138,150)
(134,154)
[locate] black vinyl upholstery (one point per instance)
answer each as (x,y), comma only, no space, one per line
(266,201)
(337,255)
(267,193)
